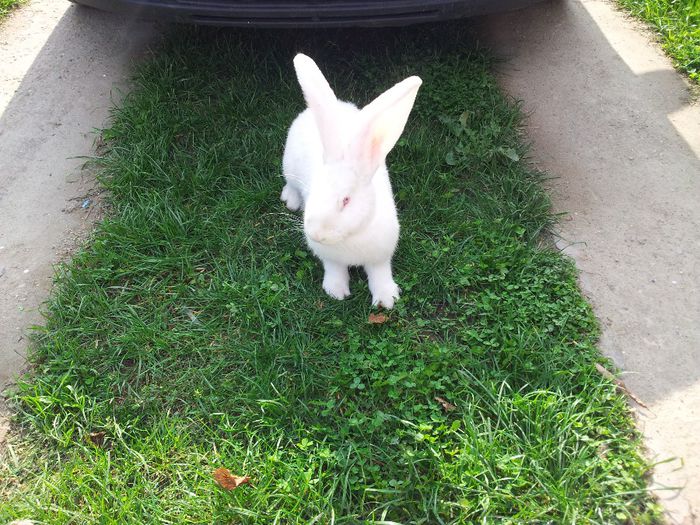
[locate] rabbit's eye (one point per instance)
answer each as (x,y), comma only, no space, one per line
(346,200)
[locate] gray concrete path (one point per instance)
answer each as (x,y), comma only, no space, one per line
(60,66)
(612,120)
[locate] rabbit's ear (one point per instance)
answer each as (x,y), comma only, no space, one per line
(382,122)
(322,101)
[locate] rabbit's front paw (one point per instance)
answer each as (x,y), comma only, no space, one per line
(336,280)
(381,283)
(336,288)
(385,295)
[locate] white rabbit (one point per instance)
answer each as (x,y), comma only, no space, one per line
(334,166)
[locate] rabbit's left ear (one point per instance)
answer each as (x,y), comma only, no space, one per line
(381,124)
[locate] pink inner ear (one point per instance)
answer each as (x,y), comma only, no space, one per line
(370,149)
(376,148)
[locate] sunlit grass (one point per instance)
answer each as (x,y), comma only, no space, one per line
(7,5)
(678,24)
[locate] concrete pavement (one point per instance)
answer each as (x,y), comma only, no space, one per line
(61,67)
(615,125)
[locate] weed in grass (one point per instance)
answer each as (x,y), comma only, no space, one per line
(192,332)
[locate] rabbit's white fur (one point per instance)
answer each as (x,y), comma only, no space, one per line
(334,166)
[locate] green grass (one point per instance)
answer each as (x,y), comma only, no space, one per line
(7,5)
(678,24)
(193,332)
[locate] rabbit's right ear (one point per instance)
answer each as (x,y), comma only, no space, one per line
(321,101)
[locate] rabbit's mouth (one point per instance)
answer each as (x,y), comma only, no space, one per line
(324,237)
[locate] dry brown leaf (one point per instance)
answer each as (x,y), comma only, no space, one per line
(97,438)
(377,319)
(619,384)
(449,407)
(228,481)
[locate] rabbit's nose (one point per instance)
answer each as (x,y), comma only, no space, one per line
(322,235)
(318,236)
(314,230)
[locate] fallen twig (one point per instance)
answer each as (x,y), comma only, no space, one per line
(619,384)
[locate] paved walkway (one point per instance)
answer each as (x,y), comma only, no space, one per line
(60,67)
(612,120)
